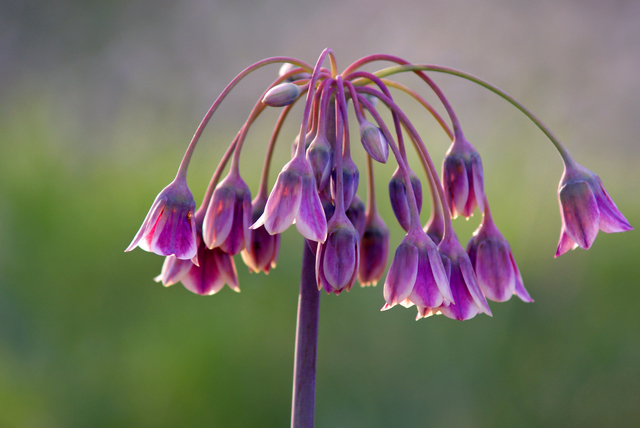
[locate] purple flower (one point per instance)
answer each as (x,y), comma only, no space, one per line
(469,299)
(320,157)
(262,253)
(356,214)
(337,258)
(417,275)
(350,180)
(169,227)
(295,198)
(228,216)
(496,270)
(374,142)
(398,197)
(374,250)
(585,208)
(463,179)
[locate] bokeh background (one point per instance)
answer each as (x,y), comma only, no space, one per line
(98,101)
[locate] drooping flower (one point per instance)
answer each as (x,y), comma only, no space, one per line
(356,214)
(492,260)
(295,198)
(262,253)
(463,178)
(169,227)
(398,197)
(585,208)
(228,216)
(320,157)
(417,275)
(350,179)
(374,142)
(374,250)
(468,296)
(337,258)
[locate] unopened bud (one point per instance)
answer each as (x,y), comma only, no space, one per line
(374,143)
(282,95)
(288,67)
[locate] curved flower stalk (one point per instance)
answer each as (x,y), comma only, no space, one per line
(585,208)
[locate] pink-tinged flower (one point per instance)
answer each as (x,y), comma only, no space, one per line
(496,270)
(295,198)
(463,179)
(262,253)
(169,227)
(469,299)
(228,217)
(215,268)
(356,214)
(585,208)
(320,157)
(374,142)
(417,275)
(374,250)
(398,197)
(337,258)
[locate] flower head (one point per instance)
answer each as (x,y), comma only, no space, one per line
(226,222)
(295,198)
(262,253)
(463,179)
(469,299)
(169,227)
(585,208)
(496,270)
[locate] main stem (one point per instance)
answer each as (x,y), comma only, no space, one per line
(304,371)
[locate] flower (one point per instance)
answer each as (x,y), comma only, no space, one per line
(374,249)
(469,299)
(262,253)
(398,197)
(295,198)
(337,258)
(169,227)
(356,214)
(585,208)
(350,179)
(228,216)
(374,142)
(463,179)
(496,270)
(417,275)
(320,157)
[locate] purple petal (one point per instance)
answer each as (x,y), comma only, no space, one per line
(173,270)
(465,307)
(520,291)
(580,213)
(402,274)
(439,271)
(283,203)
(455,183)
(494,270)
(311,222)
(219,216)
(611,219)
(148,224)
(472,284)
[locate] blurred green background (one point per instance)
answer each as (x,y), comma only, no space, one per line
(98,101)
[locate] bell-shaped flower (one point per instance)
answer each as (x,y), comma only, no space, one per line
(262,253)
(214,269)
(320,157)
(281,95)
(463,179)
(356,214)
(337,257)
(228,217)
(374,142)
(374,249)
(492,260)
(350,180)
(169,227)
(468,296)
(585,208)
(398,197)
(417,275)
(295,198)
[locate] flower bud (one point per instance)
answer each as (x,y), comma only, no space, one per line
(320,157)
(374,142)
(374,250)
(287,67)
(356,214)
(281,95)
(350,180)
(398,197)
(337,257)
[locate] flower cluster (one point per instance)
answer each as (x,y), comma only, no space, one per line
(317,190)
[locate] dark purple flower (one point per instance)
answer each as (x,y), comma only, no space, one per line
(262,253)
(398,197)
(337,257)
(169,227)
(585,208)
(374,250)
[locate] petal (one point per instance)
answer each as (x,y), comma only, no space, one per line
(580,213)
(149,222)
(173,270)
(520,291)
(611,219)
(425,292)
(455,183)
(472,284)
(310,221)
(440,274)
(494,270)
(227,268)
(283,203)
(465,307)
(565,244)
(219,216)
